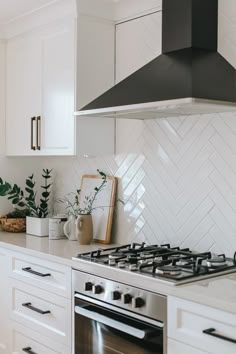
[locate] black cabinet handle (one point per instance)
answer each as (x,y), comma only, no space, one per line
(35,309)
(32,146)
(30,270)
(38,134)
(212,332)
(28,350)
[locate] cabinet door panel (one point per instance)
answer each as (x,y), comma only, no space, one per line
(57,120)
(175,347)
(23,93)
(4,306)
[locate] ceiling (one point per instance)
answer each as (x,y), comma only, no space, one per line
(11,9)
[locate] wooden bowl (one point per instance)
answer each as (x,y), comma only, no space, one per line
(13,225)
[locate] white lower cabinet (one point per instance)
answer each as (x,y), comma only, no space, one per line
(44,312)
(25,340)
(4,321)
(201,328)
(35,305)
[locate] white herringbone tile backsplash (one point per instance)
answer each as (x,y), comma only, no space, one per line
(181,189)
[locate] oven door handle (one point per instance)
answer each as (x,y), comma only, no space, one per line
(122,327)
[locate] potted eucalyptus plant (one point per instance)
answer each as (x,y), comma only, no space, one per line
(37,221)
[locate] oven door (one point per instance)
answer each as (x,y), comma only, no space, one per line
(99,330)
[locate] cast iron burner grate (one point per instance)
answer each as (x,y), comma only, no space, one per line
(165,262)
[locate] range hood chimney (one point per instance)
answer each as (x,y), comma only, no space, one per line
(189,77)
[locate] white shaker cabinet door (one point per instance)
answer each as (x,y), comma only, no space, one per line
(40,83)
(4,322)
(58,76)
(23,93)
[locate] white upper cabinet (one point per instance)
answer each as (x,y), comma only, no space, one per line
(58,74)
(23,94)
(138,41)
(40,91)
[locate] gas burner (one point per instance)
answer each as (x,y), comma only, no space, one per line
(183,262)
(168,270)
(218,261)
(133,267)
(146,255)
(121,264)
(116,255)
(112,262)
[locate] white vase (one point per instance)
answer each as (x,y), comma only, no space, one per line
(37,227)
(70,229)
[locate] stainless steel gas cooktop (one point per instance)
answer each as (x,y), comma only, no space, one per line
(172,264)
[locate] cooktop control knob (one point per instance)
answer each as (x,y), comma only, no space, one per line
(127,298)
(138,302)
(116,295)
(88,286)
(97,289)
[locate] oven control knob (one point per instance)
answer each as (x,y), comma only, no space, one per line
(116,295)
(97,289)
(88,286)
(127,298)
(138,302)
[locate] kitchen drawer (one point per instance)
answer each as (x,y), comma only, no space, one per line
(175,347)
(23,338)
(187,320)
(44,312)
(44,274)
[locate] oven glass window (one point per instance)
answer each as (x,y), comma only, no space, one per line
(102,331)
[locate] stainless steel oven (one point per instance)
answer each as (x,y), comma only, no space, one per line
(114,318)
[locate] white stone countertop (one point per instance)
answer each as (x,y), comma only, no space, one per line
(60,251)
(218,292)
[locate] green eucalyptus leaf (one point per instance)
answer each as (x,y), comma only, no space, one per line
(29,183)
(45,194)
(15,201)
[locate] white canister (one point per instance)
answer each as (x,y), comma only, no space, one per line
(56,227)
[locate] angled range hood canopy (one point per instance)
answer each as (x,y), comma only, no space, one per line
(190,77)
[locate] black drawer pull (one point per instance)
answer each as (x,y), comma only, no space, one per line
(30,270)
(30,307)
(211,332)
(28,350)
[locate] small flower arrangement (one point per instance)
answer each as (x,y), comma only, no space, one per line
(72,199)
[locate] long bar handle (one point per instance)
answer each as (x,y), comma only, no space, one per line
(212,332)
(122,327)
(28,350)
(32,134)
(30,270)
(38,134)
(35,309)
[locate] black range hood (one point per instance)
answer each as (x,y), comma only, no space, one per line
(190,77)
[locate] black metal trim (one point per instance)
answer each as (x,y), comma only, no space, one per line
(28,350)
(30,270)
(29,306)
(211,332)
